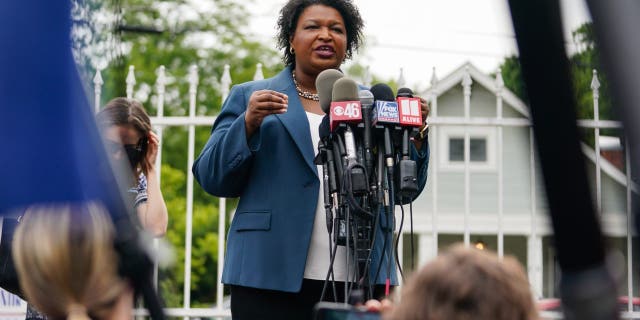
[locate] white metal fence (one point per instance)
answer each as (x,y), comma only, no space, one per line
(191,121)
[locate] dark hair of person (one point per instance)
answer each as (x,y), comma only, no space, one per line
(123,112)
(290,13)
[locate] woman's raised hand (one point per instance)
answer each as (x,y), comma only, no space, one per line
(261,104)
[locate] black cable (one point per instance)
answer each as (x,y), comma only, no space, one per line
(346,283)
(398,241)
(390,219)
(411,234)
(368,261)
(354,257)
(330,272)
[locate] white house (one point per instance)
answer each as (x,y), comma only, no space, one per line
(485,186)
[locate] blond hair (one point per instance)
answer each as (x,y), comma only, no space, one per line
(66,261)
(465,284)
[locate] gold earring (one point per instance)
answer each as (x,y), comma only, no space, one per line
(292,51)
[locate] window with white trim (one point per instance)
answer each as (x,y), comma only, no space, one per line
(478,141)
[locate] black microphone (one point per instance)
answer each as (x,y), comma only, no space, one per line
(385,116)
(403,95)
(345,108)
(407,173)
(366,102)
(324,85)
(405,92)
(325,136)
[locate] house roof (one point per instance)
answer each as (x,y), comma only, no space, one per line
(455,78)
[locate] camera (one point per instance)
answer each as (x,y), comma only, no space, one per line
(340,311)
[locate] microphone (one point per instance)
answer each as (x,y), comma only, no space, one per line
(330,180)
(385,108)
(385,115)
(345,109)
(324,85)
(385,112)
(366,102)
(409,108)
(345,103)
(410,117)
(325,135)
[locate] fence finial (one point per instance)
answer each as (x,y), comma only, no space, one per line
(401,80)
(97,79)
(499,81)
(161,81)
(595,85)
(225,82)
(97,89)
(131,81)
(466,81)
(193,78)
(366,78)
(258,75)
(434,78)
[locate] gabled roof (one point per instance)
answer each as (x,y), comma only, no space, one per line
(455,79)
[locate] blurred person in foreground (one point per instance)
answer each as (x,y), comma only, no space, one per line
(67,265)
(464,284)
(126,131)
(261,149)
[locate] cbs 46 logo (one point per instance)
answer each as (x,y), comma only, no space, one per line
(349,109)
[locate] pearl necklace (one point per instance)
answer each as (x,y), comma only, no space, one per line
(304,94)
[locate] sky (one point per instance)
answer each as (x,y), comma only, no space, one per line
(419,35)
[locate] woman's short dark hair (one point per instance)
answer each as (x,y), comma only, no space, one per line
(290,13)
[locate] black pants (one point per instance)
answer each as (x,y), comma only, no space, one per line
(254,304)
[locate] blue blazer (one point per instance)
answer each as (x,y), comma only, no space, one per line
(274,175)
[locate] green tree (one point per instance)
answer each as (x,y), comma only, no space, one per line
(512,76)
(583,62)
(176,34)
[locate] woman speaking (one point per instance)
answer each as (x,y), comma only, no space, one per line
(262,148)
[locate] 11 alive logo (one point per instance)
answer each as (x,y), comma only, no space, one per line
(410,111)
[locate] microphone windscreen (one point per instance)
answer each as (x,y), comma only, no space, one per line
(405,92)
(324,129)
(382,92)
(324,85)
(345,89)
(366,97)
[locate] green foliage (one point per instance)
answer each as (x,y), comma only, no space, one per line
(512,77)
(208,34)
(583,62)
